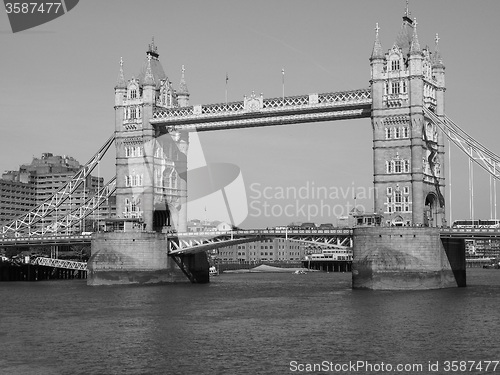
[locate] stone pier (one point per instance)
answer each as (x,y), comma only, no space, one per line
(138,258)
(406,258)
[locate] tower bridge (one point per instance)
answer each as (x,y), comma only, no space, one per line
(153,120)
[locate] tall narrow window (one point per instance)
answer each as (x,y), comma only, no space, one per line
(397,197)
(406,166)
(387,133)
(398,133)
(395,87)
(397,166)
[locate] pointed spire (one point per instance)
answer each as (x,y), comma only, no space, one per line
(152,49)
(183,89)
(148,78)
(407,14)
(120,83)
(377,47)
(415,45)
(437,60)
(403,40)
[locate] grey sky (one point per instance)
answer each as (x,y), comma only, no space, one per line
(57,84)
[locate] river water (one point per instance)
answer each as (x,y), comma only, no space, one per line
(248,323)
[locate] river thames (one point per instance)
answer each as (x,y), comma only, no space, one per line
(248,323)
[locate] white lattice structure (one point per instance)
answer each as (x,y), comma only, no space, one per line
(59,263)
(26,225)
(192,242)
(70,221)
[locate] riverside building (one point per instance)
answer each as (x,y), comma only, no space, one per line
(24,189)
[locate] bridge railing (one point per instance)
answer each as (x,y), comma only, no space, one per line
(258,103)
(40,240)
(336,231)
(60,263)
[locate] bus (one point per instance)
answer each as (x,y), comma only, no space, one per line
(476,224)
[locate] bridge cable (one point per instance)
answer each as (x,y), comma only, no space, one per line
(26,221)
(475,151)
(90,205)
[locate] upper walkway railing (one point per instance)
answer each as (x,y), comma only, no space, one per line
(257,111)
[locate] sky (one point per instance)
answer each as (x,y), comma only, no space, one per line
(57,88)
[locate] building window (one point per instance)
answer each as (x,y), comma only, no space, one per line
(397,197)
(133,94)
(406,190)
(387,133)
(405,132)
(406,164)
(389,190)
(398,133)
(397,166)
(404,87)
(388,166)
(395,65)
(395,87)
(134,180)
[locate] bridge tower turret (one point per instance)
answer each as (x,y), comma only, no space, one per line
(408,149)
(183,93)
(149,164)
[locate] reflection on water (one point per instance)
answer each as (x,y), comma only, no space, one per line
(241,324)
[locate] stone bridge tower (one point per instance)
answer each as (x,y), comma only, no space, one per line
(151,185)
(408,149)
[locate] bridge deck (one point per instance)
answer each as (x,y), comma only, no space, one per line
(257,111)
(487,233)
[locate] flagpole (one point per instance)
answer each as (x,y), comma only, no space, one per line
(283,83)
(227,78)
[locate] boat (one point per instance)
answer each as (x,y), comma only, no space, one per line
(213,271)
(331,254)
(300,272)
